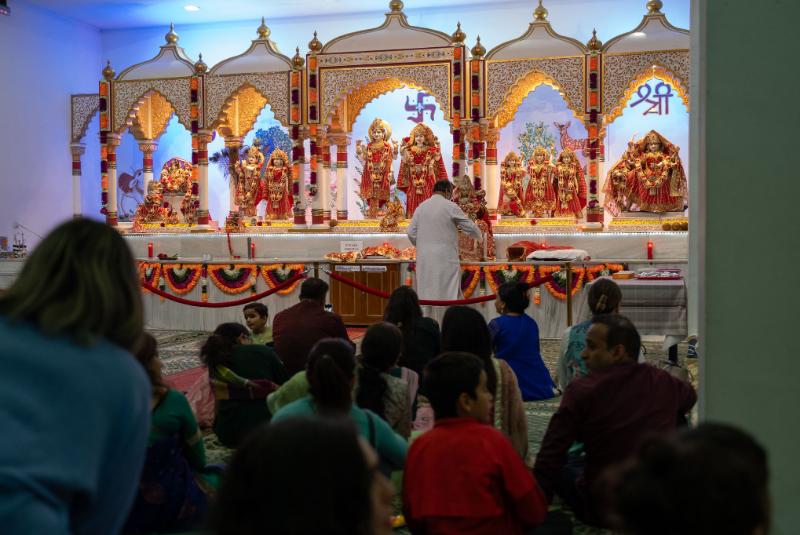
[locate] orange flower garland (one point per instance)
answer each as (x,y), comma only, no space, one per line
(592,273)
(190,284)
(143,267)
(222,285)
(474,282)
(272,281)
(577,280)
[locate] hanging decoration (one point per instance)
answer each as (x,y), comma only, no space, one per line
(182,278)
(458,54)
(412,267)
(594,212)
(470,277)
(603,270)
(234,279)
(105,130)
(204,283)
(149,273)
(501,274)
(557,286)
(312,129)
(275,274)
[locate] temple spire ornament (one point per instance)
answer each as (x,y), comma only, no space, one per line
(654,6)
(262,31)
(108,72)
(171,37)
(478,50)
(594,43)
(298,60)
(459,36)
(315,45)
(200,67)
(540,13)
(396,6)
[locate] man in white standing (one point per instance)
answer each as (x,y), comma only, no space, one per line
(434,231)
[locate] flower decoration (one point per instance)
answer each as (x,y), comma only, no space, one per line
(275,274)
(182,278)
(234,279)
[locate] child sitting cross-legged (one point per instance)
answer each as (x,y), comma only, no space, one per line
(464,477)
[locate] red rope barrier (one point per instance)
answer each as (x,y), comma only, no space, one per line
(201,304)
(427,302)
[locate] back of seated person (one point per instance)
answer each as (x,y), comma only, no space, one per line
(610,409)
(297,329)
(243,375)
(463,476)
(422,340)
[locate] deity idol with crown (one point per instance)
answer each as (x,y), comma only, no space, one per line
(376,157)
(278,186)
(248,185)
(512,191)
(421,167)
(654,178)
(473,203)
(569,185)
(176,176)
(540,197)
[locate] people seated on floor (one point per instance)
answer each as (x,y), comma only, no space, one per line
(422,340)
(464,476)
(464,329)
(331,373)
(604,297)
(297,329)
(256,316)
(712,479)
(610,410)
(74,403)
(242,376)
(304,476)
(515,338)
(380,387)
(175,466)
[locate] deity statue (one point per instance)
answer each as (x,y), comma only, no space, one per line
(395,214)
(176,176)
(278,186)
(654,178)
(473,203)
(152,208)
(540,197)
(421,167)
(512,193)
(570,186)
(248,186)
(376,157)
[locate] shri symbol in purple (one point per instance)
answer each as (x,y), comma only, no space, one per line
(661,98)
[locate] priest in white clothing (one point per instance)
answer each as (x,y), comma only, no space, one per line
(434,231)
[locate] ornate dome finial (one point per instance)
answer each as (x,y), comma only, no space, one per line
(654,6)
(262,31)
(171,37)
(478,50)
(396,6)
(108,72)
(594,43)
(459,36)
(200,67)
(298,60)
(315,45)
(540,13)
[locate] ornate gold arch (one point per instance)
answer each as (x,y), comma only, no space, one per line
(653,71)
(247,102)
(359,98)
(521,89)
(153,124)
(128,96)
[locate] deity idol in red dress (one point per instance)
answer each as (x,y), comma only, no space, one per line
(657,180)
(511,189)
(421,167)
(540,197)
(376,158)
(570,186)
(248,185)
(473,203)
(278,186)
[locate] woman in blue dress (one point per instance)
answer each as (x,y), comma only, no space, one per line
(515,337)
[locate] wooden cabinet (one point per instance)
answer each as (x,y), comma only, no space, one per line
(357,307)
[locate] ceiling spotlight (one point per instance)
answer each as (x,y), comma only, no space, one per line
(191,8)
(638,34)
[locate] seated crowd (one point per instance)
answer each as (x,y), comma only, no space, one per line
(326,439)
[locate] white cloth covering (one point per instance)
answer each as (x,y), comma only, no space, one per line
(558,254)
(434,232)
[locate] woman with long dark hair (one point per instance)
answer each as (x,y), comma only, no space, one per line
(465,330)
(242,376)
(75,403)
(421,336)
(331,373)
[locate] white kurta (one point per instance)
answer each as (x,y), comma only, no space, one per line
(434,231)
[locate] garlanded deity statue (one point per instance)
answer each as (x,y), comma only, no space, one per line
(512,190)
(176,176)
(540,197)
(650,175)
(278,186)
(570,186)
(376,157)
(421,167)
(152,207)
(473,203)
(395,214)
(248,186)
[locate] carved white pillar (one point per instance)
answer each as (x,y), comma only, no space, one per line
(324,170)
(463,161)
(491,173)
(342,142)
(203,139)
(148,147)
(113,141)
(77,150)
(234,145)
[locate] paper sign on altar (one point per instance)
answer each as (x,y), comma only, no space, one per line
(373,268)
(352,246)
(348,268)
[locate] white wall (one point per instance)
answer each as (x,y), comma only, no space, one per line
(44,58)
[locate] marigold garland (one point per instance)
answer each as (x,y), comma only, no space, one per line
(273,277)
(470,277)
(411,268)
(238,283)
(182,285)
(555,288)
(204,283)
(500,274)
(602,270)
(155,274)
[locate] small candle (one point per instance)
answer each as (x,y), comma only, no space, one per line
(252,250)
(149,250)
(544,244)
(649,250)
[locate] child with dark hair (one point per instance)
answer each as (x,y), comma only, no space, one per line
(378,391)
(422,340)
(242,376)
(515,337)
(463,476)
(331,375)
(175,462)
(256,316)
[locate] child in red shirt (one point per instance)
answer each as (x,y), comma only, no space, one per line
(464,477)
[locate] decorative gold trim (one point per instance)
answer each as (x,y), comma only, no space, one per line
(662,18)
(79,132)
(531,28)
(521,89)
(177,52)
(269,45)
(157,120)
(532,59)
(403,21)
(359,98)
(250,105)
(131,113)
(654,71)
(216,123)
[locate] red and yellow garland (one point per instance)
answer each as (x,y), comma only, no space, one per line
(188,286)
(272,281)
(593,272)
(143,267)
(474,271)
(553,287)
(239,288)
